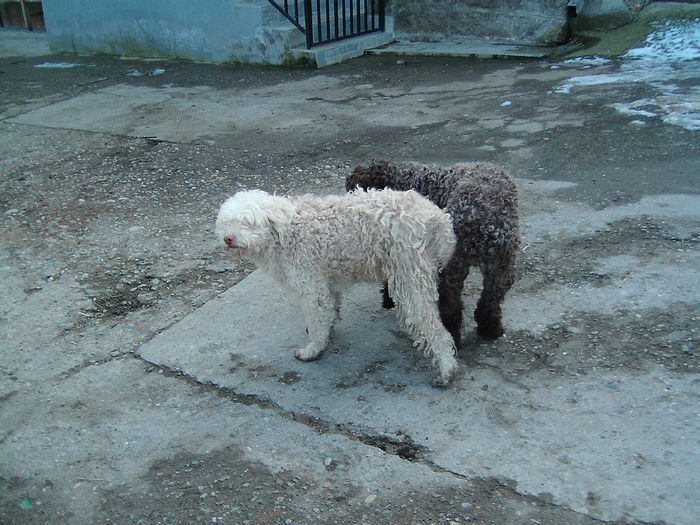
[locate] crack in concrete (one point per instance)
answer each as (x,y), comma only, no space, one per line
(509,487)
(89,363)
(405,448)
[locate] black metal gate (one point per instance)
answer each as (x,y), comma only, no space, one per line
(324,21)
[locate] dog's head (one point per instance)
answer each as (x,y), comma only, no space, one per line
(251,220)
(376,174)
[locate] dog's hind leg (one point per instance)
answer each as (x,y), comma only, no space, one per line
(450,286)
(418,313)
(387,301)
(498,279)
(336,295)
(319,307)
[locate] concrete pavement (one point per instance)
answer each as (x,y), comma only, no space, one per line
(576,438)
(139,386)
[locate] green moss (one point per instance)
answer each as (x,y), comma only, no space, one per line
(618,41)
(555,35)
(135,48)
(303,60)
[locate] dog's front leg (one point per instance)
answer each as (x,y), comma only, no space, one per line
(320,314)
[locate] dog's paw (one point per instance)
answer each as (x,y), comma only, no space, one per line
(488,328)
(448,370)
(310,352)
(490,333)
(440,382)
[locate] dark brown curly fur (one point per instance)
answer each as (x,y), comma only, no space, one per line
(483,202)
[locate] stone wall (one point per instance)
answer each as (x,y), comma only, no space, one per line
(523,21)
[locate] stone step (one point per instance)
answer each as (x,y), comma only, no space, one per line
(276,27)
(340,50)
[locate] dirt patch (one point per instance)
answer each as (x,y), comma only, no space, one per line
(224,487)
(586,342)
(131,285)
(576,261)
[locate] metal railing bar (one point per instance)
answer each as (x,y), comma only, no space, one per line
(333,21)
(335,16)
(319,29)
(289,17)
(309,23)
(352,17)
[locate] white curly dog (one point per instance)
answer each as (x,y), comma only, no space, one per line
(317,246)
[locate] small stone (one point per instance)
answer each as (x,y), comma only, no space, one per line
(145,298)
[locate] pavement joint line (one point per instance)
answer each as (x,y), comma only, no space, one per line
(90,363)
(406,449)
(48,103)
(507,487)
(148,138)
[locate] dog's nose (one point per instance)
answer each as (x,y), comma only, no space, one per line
(230,239)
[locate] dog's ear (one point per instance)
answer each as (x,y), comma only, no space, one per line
(351,181)
(278,215)
(278,226)
(274,229)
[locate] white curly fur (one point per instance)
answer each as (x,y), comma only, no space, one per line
(317,246)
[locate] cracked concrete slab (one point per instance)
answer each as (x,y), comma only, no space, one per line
(606,443)
(204,113)
(464,47)
(155,416)
(585,412)
(170,438)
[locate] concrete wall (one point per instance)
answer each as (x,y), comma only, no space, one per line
(524,21)
(241,31)
(211,30)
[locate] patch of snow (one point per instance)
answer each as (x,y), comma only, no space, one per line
(670,55)
(636,108)
(671,41)
(56,65)
(588,61)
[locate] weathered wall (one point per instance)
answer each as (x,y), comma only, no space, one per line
(526,21)
(215,30)
(602,15)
